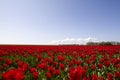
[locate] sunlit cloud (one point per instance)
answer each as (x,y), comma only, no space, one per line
(75,41)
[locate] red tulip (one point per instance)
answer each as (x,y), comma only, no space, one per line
(35,74)
(48,74)
(51,69)
(62,66)
(57,72)
(9,61)
(42,66)
(109,76)
(60,58)
(93,67)
(94,77)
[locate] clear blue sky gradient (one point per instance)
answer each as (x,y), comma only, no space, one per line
(41,21)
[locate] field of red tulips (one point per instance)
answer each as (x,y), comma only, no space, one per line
(30,62)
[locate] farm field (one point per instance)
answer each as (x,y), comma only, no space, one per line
(63,62)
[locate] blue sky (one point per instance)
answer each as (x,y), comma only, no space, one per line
(43,21)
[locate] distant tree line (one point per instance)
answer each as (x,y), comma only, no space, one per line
(103,43)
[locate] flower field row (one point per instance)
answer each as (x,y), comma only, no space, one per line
(59,62)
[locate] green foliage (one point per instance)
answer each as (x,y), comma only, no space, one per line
(103,43)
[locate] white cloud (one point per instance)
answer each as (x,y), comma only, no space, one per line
(75,41)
